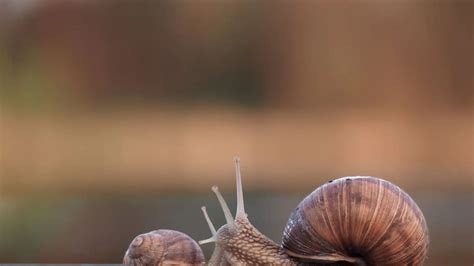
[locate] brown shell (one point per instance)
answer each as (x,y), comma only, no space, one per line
(363,217)
(163,247)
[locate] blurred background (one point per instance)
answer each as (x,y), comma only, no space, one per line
(116,117)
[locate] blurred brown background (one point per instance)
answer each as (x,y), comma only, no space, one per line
(118,116)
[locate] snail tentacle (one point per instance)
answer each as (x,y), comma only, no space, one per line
(240,194)
(208,220)
(213,238)
(225,208)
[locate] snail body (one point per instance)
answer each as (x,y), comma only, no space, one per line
(348,221)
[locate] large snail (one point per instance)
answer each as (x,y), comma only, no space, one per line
(349,221)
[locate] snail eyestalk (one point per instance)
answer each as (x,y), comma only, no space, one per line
(228,216)
(240,194)
(209,240)
(208,220)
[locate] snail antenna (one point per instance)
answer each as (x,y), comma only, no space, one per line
(240,193)
(213,238)
(208,220)
(209,240)
(228,216)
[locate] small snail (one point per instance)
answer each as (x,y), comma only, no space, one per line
(163,247)
(349,221)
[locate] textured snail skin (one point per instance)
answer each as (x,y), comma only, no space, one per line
(163,247)
(362,217)
(245,245)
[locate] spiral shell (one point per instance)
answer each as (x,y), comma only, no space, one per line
(359,217)
(163,247)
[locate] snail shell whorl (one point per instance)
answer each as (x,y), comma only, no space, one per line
(362,217)
(163,247)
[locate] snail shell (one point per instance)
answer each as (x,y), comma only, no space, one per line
(163,247)
(358,217)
